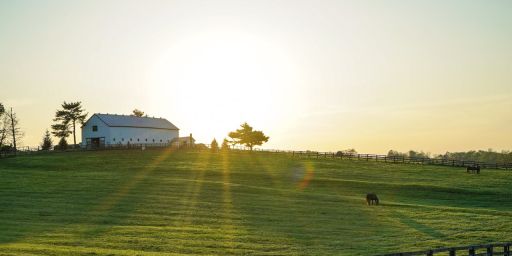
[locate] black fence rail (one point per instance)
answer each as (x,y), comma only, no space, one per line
(300,154)
(498,249)
(401,159)
(37,151)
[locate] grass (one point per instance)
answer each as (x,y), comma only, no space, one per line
(171,203)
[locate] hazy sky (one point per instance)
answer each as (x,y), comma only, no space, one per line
(321,75)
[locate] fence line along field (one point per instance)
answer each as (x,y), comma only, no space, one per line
(165,202)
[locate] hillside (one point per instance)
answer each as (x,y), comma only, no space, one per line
(169,203)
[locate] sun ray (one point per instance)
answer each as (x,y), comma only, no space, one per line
(111,200)
(193,190)
(230,228)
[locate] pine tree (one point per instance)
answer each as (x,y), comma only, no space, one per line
(63,144)
(248,137)
(214,146)
(225,145)
(47,141)
(67,118)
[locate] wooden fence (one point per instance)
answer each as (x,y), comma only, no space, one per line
(300,154)
(35,151)
(400,159)
(499,249)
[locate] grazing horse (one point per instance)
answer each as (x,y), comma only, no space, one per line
(473,169)
(372,198)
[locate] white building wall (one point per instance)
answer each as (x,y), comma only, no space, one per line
(87,132)
(123,135)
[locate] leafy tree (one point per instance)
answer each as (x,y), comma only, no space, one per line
(225,145)
(63,144)
(47,143)
(248,137)
(138,113)
(2,109)
(66,119)
(214,146)
(395,153)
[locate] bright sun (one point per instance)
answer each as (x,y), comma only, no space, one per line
(218,80)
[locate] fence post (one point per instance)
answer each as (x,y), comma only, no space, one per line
(430,253)
(471,251)
(506,250)
(489,250)
(452,252)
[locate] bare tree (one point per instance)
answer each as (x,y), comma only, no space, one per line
(3,131)
(13,127)
(3,126)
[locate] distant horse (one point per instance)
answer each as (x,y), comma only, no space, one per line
(372,198)
(473,169)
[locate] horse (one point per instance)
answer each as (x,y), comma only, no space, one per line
(372,198)
(473,169)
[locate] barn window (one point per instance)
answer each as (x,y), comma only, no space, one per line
(122,139)
(113,139)
(130,139)
(137,139)
(146,139)
(94,128)
(153,140)
(160,140)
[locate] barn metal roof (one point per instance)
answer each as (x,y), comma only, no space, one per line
(113,120)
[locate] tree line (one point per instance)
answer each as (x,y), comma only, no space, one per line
(487,156)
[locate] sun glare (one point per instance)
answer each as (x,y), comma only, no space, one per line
(223,80)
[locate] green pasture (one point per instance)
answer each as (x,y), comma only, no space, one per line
(158,202)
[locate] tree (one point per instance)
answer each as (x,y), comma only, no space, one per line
(13,128)
(3,126)
(47,143)
(138,113)
(248,137)
(225,145)
(61,130)
(67,118)
(63,144)
(214,146)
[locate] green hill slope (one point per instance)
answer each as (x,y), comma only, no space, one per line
(167,203)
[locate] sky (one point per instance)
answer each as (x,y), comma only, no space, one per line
(320,75)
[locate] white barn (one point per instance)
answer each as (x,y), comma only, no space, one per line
(108,129)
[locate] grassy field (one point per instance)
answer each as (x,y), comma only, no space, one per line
(169,203)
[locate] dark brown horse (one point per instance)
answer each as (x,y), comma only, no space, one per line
(372,198)
(473,169)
